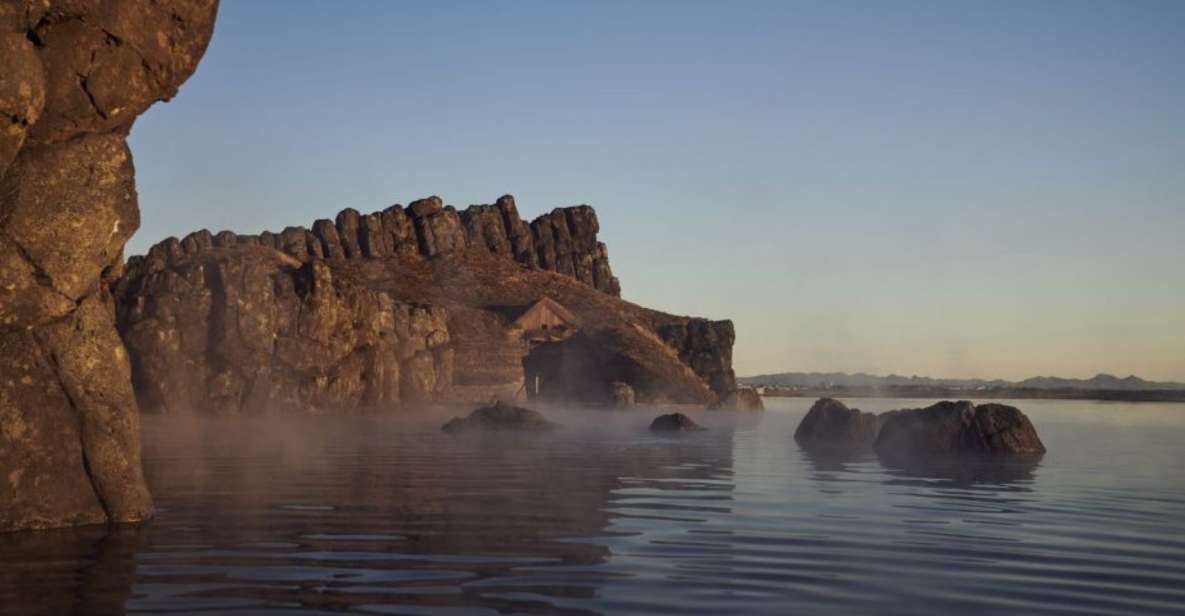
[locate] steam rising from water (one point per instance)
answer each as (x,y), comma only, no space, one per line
(390,515)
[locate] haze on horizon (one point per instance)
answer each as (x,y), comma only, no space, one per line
(945,189)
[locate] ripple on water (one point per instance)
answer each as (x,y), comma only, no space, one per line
(382,516)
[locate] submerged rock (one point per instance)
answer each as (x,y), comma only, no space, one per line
(500,417)
(957,428)
(830,422)
(674,422)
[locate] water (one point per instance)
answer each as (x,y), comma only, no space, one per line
(390,516)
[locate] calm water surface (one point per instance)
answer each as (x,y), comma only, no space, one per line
(390,516)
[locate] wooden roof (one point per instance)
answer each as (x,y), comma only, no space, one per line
(545,304)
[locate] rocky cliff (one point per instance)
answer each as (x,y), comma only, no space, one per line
(563,241)
(73,77)
(249,328)
(404,305)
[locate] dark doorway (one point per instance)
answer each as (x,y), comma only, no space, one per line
(571,370)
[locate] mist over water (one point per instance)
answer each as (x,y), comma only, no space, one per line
(387,515)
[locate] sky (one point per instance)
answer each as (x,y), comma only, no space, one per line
(957,189)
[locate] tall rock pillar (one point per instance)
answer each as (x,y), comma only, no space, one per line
(74,74)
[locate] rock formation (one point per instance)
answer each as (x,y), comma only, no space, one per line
(674,422)
(945,428)
(249,328)
(957,427)
(831,423)
(75,75)
(500,417)
(563,241)
(706,346)
(234,323)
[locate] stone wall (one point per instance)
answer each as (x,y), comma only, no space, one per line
(562,241)
(73,77)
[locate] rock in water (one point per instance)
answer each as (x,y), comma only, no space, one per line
(674,422)
(500,417)
(956,428)
(830,422)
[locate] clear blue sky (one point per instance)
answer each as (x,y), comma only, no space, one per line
(990,189)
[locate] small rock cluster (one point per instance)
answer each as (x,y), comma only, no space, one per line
(944,428)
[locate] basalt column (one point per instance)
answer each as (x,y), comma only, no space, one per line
(73,77)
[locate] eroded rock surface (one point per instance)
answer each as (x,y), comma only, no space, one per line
(563,241)
(955,428)
(74,76)
(831,423)
(250,329)
(500,417)
(199,316)
(706,346)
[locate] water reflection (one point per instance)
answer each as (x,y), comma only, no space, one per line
(344,514)
(369,516)
(835,459)
(831,464)
(86,570)
(963,470)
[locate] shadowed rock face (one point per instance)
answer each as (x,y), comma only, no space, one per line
(957,427)
(706,346)
(674,422)
(500,417)
(830,422)
(75,75)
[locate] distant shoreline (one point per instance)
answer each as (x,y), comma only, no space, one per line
(1155,395)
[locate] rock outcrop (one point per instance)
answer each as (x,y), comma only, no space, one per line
(500,417)
(943,429)
(563,241)
(674,422)
(75,75)
(830,423)
(210,319)
(956,428)
(706,346)
(248,329)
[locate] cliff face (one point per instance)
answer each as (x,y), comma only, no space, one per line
(249,328)
(706,346)
(401,306)
(73,77)
(563,241)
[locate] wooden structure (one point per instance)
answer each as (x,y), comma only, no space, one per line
(546,320)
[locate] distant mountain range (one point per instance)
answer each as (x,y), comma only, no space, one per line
(1099,382)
